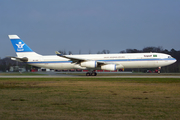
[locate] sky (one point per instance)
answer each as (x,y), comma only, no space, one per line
(89,26)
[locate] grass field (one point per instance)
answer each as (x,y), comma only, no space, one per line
(89,98)
(19,74)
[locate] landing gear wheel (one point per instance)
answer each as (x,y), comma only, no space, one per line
(93,73)
(88,74)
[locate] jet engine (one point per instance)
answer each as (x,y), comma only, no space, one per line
(89,64)
(111,67)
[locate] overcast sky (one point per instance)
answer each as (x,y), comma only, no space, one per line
(89,25)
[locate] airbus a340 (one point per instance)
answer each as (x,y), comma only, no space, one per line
(90,62)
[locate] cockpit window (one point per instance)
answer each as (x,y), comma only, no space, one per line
(169,57)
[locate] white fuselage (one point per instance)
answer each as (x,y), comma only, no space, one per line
(88,61)
(128,60)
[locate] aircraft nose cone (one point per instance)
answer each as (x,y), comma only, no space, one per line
(174,60)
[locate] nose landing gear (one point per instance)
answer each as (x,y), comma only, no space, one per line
(159,70)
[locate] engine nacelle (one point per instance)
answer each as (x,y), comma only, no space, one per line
(89,64)
(77,66)
(110,67)
(119,66)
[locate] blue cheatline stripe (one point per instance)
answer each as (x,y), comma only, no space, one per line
(137,59)
(119,60)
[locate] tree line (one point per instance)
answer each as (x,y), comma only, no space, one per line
(5,63)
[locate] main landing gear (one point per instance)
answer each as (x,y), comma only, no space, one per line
(91,74)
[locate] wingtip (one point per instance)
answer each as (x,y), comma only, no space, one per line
(58,53)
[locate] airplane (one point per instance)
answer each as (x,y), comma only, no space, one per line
(89,62)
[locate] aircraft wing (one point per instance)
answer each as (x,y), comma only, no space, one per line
(77,60)
(103,63)
(73,59)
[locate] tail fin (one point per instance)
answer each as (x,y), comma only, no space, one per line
(21,48)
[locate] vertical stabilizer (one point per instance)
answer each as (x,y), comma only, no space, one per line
(21,48)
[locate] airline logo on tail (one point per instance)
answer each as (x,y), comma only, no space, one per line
(18,44)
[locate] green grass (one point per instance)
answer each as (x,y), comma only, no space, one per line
(19,74)
(90,98)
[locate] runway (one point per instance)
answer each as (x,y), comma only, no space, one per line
(73,76)
(100,75)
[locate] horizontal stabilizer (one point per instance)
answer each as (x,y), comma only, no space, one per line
(24,59)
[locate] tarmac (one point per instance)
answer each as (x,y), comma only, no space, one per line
(90,77)
(66,75)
